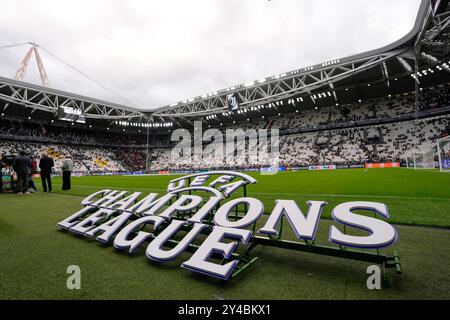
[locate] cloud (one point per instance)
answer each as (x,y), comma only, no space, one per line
(154,53)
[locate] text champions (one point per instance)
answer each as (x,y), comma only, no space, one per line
(128,221)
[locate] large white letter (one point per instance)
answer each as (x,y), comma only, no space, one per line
(109,228)
(91,199)
(149,205)
(109,198)
(255,210)
(155,251)
(124,203)
(73,219)
(183,204)
(121,241)
(204,211)
(89,223)
(212,244)
(304,228)
(382,233)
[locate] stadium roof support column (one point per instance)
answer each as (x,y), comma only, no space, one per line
(147,148)
(416,85)
(417,51)
(384,71)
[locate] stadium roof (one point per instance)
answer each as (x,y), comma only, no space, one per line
(388,70)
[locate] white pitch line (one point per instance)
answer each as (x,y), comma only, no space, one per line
(87,186)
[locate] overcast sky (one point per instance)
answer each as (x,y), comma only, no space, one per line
(155,53)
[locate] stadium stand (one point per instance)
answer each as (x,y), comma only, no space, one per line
(393,134)
(378,130)
(86,159)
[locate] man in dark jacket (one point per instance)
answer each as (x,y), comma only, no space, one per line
(46,164)
(21,166)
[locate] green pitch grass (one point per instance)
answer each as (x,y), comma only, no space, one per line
(35,255)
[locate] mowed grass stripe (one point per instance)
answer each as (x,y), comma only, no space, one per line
(413,196)
(275,193)
(376,182)
(35,256)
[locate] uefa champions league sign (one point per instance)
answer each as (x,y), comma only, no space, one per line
(197,205)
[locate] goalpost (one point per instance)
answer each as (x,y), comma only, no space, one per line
(443,151)
(419,159)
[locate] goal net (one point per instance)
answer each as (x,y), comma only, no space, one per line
(420,159)
(443,150)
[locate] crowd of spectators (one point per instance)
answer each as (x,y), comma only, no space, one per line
(75,135)
(384,141)
(17,172)
(96,151)
(134,159)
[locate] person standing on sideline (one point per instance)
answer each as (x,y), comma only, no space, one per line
(21,166)
(66,168)
(46,164)
(33,170)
